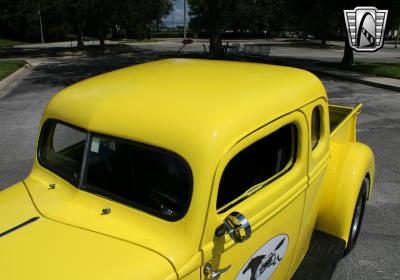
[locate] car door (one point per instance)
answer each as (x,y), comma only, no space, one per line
(317,114)
(262,177)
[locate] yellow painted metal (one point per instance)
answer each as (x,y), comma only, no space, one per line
(318,159)
(72,206)
(185,105)
(46,249)
(276,209)
(205,111)
(196,108)
(345,131)
(350,162)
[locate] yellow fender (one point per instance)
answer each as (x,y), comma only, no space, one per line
(349,164)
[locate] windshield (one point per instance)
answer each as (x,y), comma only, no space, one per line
(141,176)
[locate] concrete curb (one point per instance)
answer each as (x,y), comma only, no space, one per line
(355,80)
(9,83)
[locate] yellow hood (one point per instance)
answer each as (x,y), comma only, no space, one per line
(35,247)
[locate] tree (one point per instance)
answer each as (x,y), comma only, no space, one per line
(209,15)
(77,14)
(242,16)
(214,26)
(348,57)
(19,19)
(99,18)
(137,16)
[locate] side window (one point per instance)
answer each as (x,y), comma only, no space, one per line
(315,127)
(264,160)
(65,137)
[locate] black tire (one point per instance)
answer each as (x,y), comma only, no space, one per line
(358,215)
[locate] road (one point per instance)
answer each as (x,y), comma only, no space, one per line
(282,49)
(279,48)
(377,255)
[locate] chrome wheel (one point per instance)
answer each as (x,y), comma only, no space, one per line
(356,219)
(357,216)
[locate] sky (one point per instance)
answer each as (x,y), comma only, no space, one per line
(177,15)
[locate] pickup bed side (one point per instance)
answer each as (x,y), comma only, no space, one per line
(350,163)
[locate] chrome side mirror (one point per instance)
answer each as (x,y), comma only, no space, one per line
(237,226)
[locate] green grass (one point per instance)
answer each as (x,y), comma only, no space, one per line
(391,70)
(7,67)
(10,43)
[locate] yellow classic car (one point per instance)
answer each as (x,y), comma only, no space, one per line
(189,169)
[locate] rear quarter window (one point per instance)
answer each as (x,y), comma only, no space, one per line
(315,127)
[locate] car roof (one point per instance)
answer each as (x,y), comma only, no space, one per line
(185,105)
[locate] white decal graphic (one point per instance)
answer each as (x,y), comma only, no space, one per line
(264,262)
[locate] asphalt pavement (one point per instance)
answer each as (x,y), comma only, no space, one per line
(377,254)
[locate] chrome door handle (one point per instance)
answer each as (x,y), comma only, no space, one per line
(214,274)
